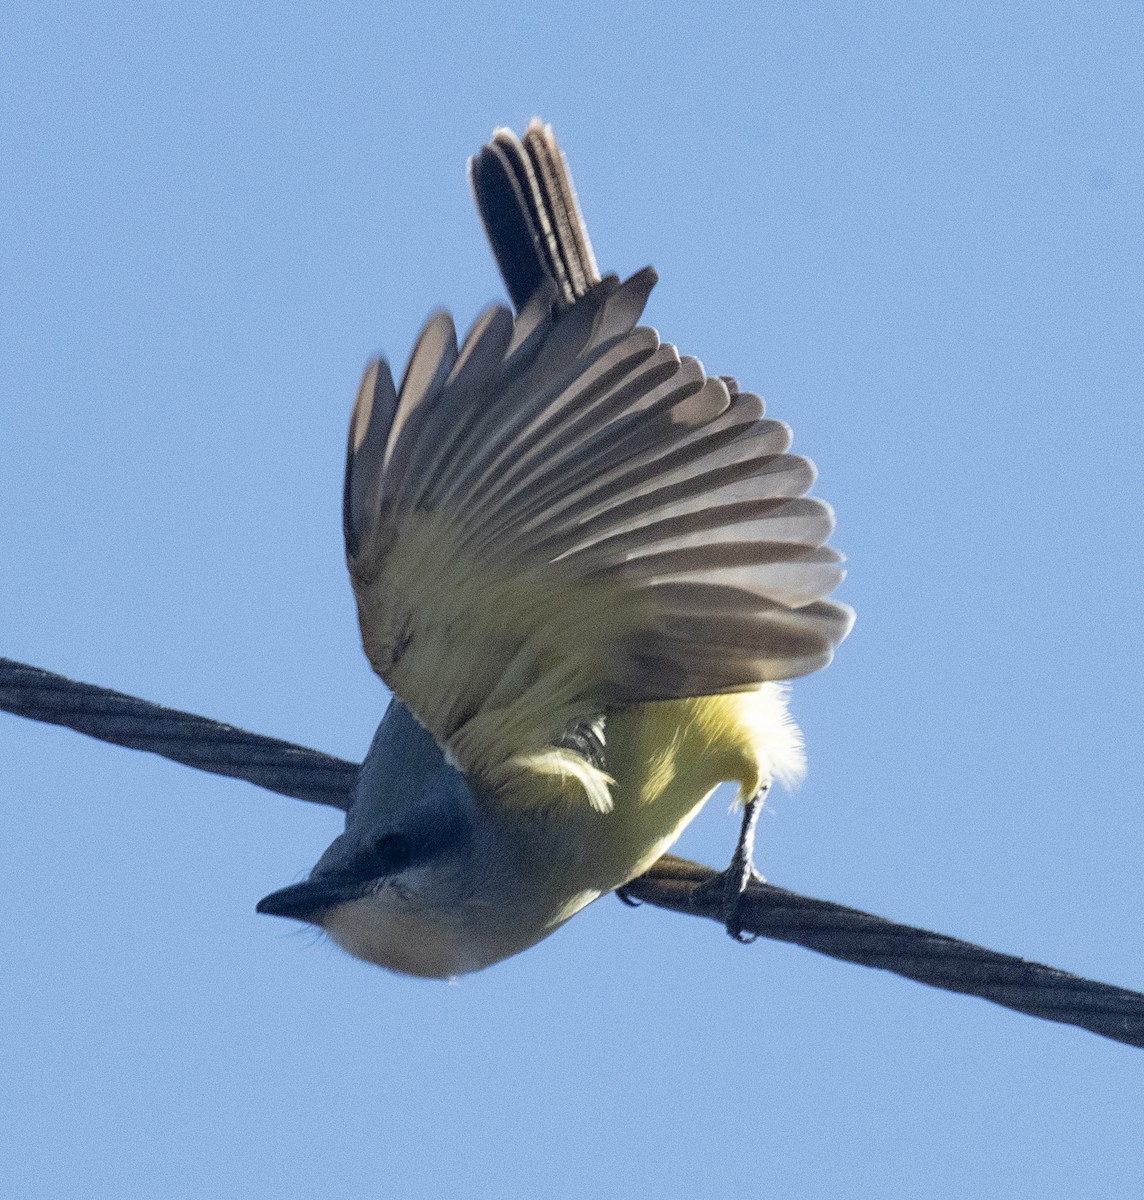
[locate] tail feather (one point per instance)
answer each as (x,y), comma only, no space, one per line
(528,206)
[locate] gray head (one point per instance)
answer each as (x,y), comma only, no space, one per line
(419,881)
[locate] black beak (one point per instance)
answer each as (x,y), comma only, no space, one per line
(301,901)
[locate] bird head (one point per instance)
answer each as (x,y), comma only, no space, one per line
(423,880)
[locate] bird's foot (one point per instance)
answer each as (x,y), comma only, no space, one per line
(730,886)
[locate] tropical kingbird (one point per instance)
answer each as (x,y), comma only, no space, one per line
(583,567)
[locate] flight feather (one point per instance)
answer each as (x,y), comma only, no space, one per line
(563,515)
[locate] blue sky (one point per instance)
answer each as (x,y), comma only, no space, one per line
(916,231)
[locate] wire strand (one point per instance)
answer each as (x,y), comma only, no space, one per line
(194,741)
(673,883)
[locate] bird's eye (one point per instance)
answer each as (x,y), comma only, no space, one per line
(391,852)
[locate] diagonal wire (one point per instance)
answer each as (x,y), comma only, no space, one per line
(933,958)
(673,883)
(194,741)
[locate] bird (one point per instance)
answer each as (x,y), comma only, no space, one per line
(585,570)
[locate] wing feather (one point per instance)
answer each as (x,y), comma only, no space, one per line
(565,515)
(432,360)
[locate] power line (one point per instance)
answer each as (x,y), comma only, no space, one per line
(768,911)
(933,958)
(194,741)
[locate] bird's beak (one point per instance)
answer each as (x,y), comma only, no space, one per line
(302,901)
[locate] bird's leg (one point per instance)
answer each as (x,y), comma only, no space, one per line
(731,885)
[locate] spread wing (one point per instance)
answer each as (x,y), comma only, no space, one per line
(565,515)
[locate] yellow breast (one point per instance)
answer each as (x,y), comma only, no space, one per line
(666,758)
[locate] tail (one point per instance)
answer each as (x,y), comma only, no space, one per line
(528,206)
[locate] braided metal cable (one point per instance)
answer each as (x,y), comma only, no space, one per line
(673,883)
(933,958)
(194,741)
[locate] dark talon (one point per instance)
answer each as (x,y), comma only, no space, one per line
(623,894)
(734,929)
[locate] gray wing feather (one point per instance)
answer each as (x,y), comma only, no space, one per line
(419,456)
(573,441)
(369,432)
(432,360)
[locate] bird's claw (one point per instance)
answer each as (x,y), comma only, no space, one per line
(730,886)
(728,889)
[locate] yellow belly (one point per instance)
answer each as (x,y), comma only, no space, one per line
(666,759)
